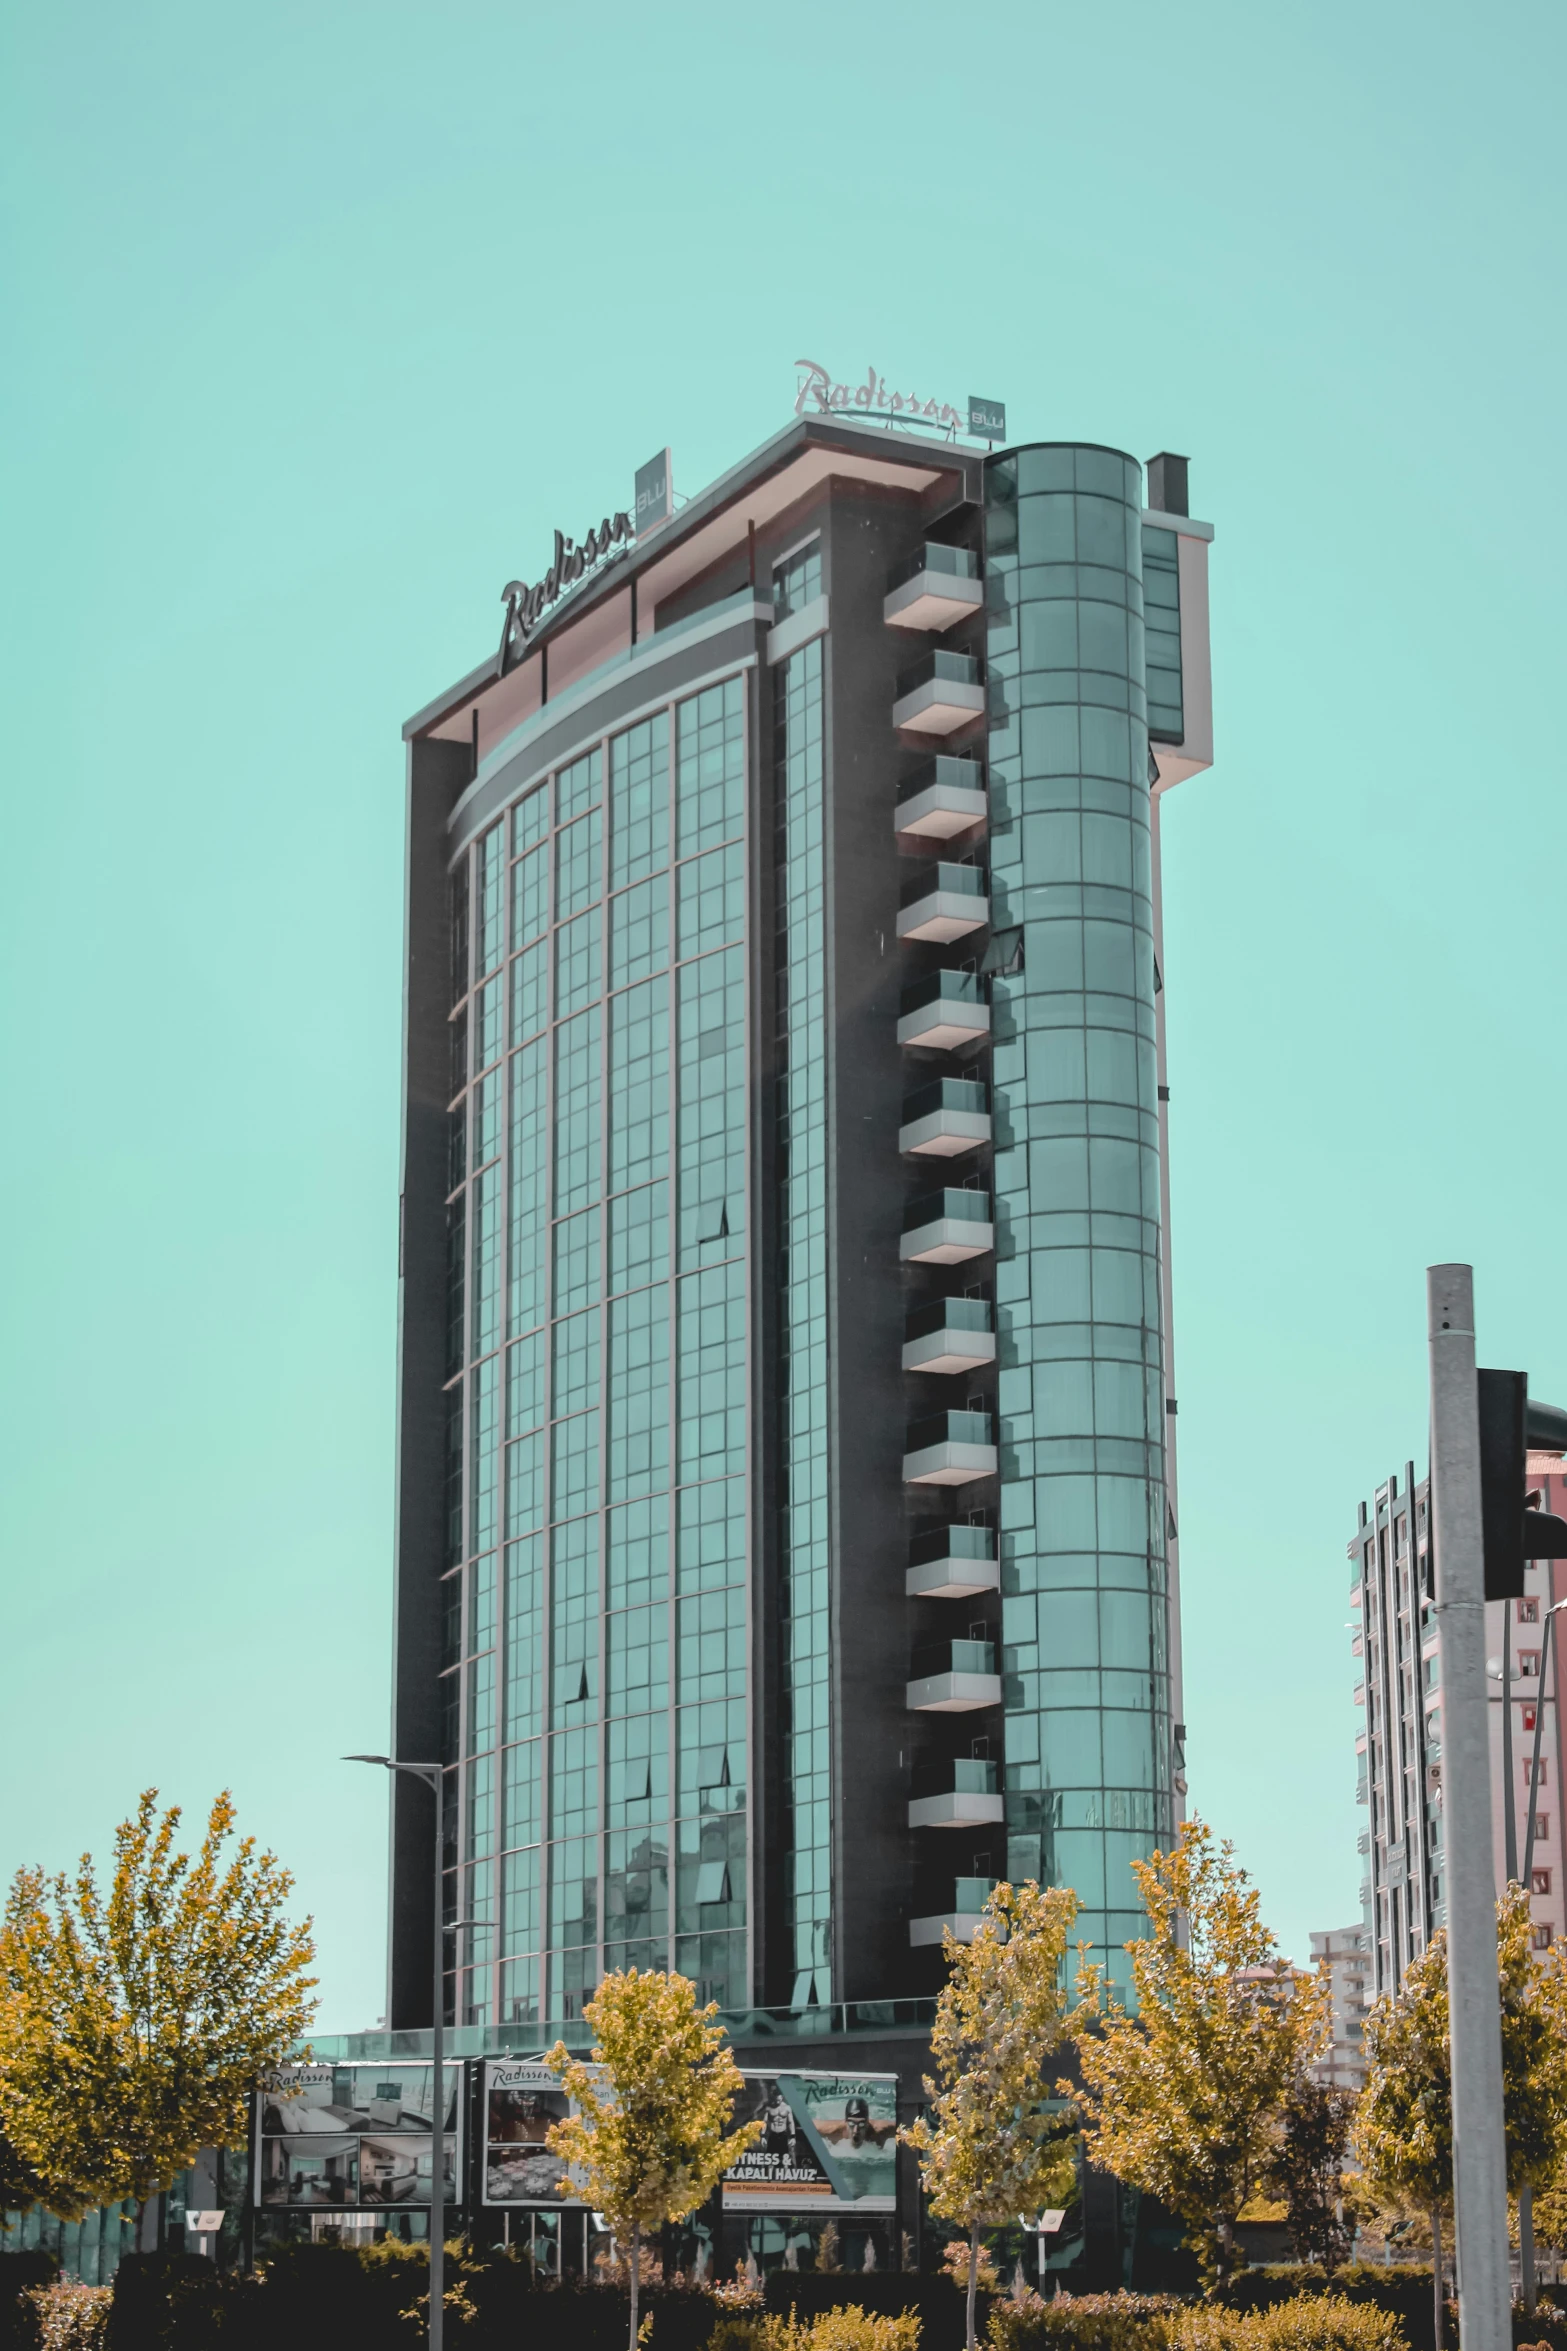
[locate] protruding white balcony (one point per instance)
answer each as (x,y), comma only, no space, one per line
(940,694)
(946,1335)
(943,1010)
(945,1119)
(962,1685)
(943,902)
(950,1449)
(952,1563)
(947,1228)
(969,1896)
(942,799)
(933,589)
(972,1800)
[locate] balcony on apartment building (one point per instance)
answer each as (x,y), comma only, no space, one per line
(945,1118)
(952,1562)
(945,1335)
(933,589)
(943,1010)
(954,1677)
(943,902)
(943,798)
(947,1228)
(950,1449)
(965,1793)
(940,693)
(969,1896)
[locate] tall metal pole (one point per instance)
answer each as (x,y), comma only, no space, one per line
(1479,2154)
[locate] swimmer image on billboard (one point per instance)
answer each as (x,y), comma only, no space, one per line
(828,2140)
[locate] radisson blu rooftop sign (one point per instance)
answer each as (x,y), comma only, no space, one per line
(817,393)
(526,606)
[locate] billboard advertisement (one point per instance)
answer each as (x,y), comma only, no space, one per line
(829,2140)
(521,2100)
(352,2136)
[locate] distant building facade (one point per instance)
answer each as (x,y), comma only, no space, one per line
(1343,1955)
(1399,1744)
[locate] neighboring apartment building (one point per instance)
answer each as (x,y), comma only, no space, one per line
(786,1530)
(1343,1955)
(1400,1744)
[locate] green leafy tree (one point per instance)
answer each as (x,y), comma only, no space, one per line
(1183,2099)
(989,2149)
(1306,2168)
(1404,2123)
(655,2132)
(134,2025)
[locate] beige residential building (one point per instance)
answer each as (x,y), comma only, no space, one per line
(1343,1955)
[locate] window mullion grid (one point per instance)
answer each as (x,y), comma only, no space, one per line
(601,1740)
(546,1618)
(748,705)
(672,1318)
(466,1392)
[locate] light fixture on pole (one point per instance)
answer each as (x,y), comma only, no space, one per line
(1047,2225)
(432,1776)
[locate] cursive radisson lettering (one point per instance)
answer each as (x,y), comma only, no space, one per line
(818,392)
(525,605)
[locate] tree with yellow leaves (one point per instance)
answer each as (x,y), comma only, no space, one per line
(134,2026)
(655,2129)
(1182,2099)
(990,2150)
(1404,2123)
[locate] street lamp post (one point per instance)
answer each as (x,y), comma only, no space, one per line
(431,1775)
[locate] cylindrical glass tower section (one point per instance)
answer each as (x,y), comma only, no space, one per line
(1085,1597)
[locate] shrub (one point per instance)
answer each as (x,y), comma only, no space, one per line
(71,2317)
(890,2292)
(1311,2322)
(846,2327)
(1259,2287)
(1087,2322)
(163,2302)
(1403,2291)
(736,2333)
(20,2273)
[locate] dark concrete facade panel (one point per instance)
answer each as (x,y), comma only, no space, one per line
(437,773)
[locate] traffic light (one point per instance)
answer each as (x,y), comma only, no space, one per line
(1509,1427)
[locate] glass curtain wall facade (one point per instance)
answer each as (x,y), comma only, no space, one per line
(1078,1315)
(595,1619)
(803,1383)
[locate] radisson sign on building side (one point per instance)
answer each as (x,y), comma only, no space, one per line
(986,420)
(525,607)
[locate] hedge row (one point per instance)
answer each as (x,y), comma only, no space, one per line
(339,2298)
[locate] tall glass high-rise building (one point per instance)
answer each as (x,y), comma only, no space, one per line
(786,1519)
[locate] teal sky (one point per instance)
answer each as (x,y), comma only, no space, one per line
(317,320)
